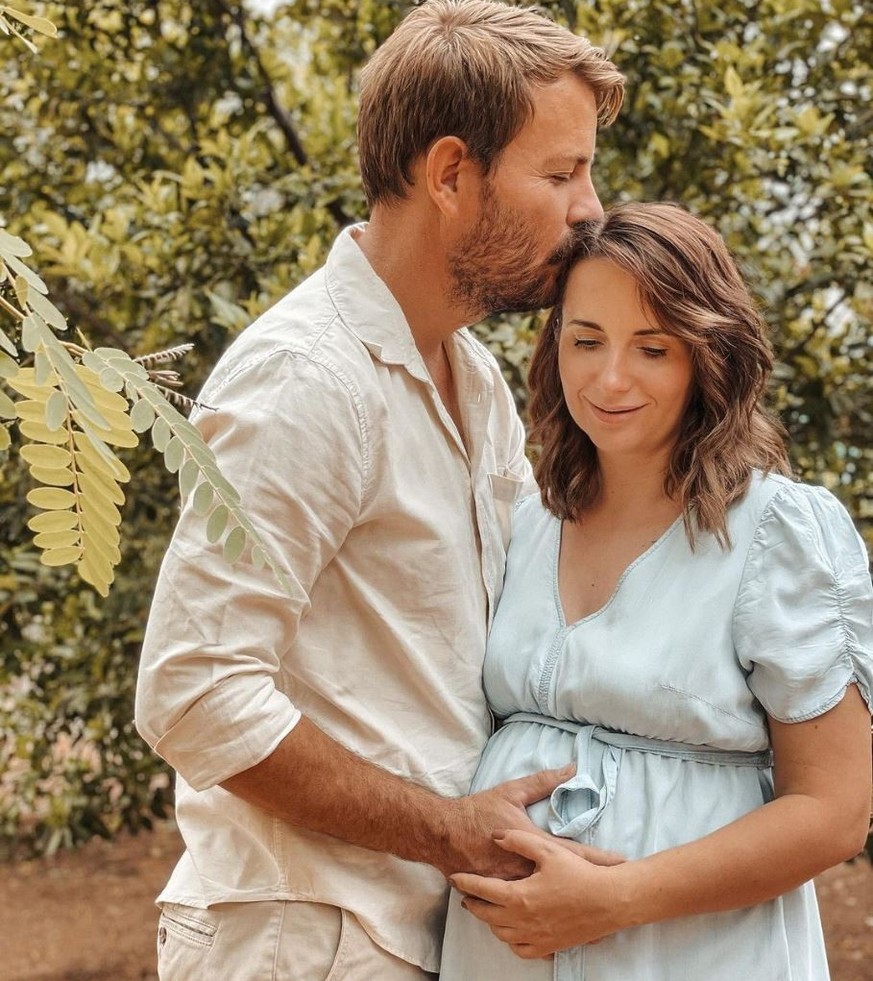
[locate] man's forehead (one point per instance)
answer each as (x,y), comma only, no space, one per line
(563,122)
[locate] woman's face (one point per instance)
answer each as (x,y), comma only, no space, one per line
(626,382)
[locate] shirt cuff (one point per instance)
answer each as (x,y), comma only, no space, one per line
(228,730)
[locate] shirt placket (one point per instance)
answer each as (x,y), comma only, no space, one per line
(476,397)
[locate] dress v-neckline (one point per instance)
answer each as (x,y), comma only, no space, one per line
(556,587)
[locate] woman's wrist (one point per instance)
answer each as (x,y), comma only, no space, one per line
(628,892)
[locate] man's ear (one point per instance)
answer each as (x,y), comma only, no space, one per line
(448,172)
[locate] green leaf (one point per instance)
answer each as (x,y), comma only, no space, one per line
(11,245)
(51,499)
(26,273)
(39,432)
(733,83)
(234,544)
(41,455)
(202,501)
(47,310)
(7,406)
(53,477)
(228,314)
(142,416)
(188,478)
(161,434)
(216,524)
(39,24)
(21,290)
(30,334)
(53,521)
(174,454)
(7,345)
(61,556)
(8,366)
(57,539)
(56,410)
(111,379)
(42,368)
(97,571)
(32,410)
(93,486)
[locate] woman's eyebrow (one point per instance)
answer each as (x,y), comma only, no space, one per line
(593,325)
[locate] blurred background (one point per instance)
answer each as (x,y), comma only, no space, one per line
(178,166)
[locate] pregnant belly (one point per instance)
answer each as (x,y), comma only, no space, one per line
(634,801)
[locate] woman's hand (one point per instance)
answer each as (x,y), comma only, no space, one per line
(569,899)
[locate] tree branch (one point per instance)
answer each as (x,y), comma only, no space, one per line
(276,110)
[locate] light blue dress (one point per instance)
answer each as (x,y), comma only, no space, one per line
(660,699)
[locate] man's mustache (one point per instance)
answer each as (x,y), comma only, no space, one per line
(577,243)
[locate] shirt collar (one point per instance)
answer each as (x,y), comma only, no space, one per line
(366,305)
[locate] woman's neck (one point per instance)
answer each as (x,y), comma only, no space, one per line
(632,485)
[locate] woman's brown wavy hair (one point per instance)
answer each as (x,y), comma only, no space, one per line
(689,282)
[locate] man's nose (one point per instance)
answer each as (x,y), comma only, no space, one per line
(585,205)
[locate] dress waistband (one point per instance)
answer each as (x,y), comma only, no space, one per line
(660,747)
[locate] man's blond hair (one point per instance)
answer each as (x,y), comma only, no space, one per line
(466,68)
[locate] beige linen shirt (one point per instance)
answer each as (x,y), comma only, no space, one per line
(392,531)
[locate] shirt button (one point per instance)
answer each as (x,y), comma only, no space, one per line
(162,936)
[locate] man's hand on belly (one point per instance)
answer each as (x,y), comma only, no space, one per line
(468,824)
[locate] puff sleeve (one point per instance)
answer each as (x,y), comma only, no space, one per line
(803,621)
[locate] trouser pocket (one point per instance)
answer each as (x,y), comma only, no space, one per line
(185,935)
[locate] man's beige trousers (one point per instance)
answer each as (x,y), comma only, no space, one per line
(272,941)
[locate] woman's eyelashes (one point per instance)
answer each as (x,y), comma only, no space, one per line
(590,343)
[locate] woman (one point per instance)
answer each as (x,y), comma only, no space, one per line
(677,615)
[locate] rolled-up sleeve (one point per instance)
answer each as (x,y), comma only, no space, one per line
(289,433)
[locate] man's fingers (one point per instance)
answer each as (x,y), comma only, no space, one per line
(597,856)
(527,790)
(480,886)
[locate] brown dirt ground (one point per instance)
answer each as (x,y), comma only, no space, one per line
(88,915)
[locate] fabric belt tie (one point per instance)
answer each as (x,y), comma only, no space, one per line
(576,806)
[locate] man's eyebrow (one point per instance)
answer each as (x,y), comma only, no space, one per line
(593,325)
(571,160)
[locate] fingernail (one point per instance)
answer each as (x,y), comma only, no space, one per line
(498,835)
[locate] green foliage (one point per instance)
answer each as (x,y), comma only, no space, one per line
(178,166)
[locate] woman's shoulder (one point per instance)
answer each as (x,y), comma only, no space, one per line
(530,517)
(777,502)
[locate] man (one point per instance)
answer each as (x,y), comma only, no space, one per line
(323,739)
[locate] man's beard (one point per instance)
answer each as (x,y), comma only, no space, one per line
(491,267)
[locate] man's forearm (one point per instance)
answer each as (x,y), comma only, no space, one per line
(311,781)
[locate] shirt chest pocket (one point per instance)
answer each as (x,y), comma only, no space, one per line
(505,490)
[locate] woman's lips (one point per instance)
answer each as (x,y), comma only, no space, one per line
(616,414)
